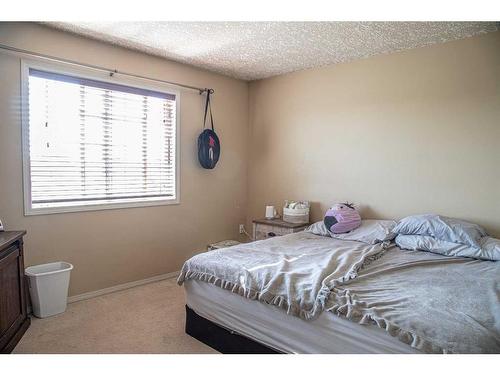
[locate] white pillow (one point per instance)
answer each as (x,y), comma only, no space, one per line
(370,231)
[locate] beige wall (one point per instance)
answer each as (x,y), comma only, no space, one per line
(111,247)
(399,134)
(415,131)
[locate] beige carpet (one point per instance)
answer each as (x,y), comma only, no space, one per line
(145,319)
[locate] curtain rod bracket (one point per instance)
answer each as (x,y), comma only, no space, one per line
(206,90)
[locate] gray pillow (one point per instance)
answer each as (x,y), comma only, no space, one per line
(370,231)
(442,228)
(490,249)
(318,228)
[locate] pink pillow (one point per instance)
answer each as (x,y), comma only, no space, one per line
(342,218)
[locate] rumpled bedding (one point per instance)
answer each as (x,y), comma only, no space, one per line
(434,303)
(295,272)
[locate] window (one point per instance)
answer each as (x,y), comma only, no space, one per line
(93,143)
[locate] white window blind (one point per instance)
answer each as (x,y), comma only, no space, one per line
(95,143)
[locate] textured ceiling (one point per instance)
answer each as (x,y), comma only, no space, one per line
(255,50)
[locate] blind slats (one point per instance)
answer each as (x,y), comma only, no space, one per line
(94,141)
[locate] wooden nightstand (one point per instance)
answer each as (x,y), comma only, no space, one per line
(264,228)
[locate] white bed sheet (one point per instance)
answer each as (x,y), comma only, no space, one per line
(271,326)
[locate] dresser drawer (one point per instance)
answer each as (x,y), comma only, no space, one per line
(261,231)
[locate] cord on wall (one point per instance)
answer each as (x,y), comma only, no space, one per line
(243,231)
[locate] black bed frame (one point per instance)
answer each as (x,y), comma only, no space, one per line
(220,338)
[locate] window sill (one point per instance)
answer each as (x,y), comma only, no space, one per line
(29,211)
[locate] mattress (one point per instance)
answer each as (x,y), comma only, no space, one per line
(271,326)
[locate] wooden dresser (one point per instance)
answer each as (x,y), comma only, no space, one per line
(14,320)
(266,228)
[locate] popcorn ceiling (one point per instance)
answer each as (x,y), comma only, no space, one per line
(256,50)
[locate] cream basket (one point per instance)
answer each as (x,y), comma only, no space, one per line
(296,215)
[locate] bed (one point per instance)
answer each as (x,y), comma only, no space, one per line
(272,328)
(304,293)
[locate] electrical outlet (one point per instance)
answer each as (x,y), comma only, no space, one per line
(242,228)
(1,226)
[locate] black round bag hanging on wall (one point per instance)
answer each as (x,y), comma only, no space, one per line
(208,142)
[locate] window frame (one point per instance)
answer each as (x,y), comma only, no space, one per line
(95,74)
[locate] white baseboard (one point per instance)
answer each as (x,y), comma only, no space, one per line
(116,288)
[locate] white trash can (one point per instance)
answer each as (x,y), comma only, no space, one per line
(48,284)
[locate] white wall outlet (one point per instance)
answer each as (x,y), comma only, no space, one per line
(242,228)
(1,226)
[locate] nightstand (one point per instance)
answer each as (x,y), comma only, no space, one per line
(267,228)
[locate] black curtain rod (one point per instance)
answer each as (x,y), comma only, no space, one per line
(111,72)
